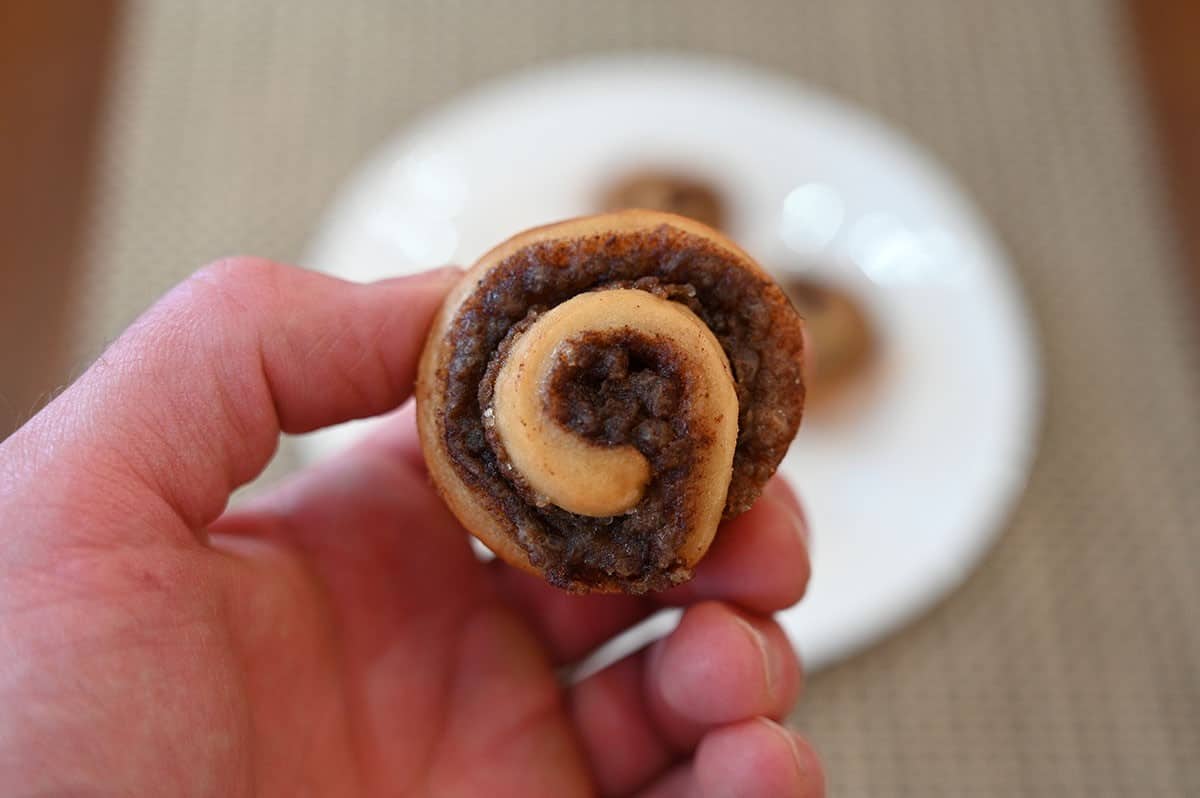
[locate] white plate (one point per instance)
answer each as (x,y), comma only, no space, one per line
(910,483)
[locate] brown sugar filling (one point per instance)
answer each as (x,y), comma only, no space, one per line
(621,388)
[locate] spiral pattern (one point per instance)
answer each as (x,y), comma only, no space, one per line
(597,394)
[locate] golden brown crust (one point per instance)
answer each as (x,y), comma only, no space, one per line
(480,513)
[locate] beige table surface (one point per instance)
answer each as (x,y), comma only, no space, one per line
(1070,664)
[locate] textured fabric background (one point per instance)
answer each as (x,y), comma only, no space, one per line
(1070,664)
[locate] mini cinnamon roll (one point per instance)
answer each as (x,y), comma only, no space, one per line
(671,192)
(840,338)
(596,395)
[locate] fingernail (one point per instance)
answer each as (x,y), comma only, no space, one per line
(774,492)
(795,520)
(790,739)
(800,525)
(772,663)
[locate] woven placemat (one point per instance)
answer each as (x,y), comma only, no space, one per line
(1069,664)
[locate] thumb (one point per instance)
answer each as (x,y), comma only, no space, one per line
(189,402)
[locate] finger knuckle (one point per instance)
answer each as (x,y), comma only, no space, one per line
(239,280)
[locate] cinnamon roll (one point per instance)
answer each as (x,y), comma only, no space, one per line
(840,338)
(596,395)
(671,192)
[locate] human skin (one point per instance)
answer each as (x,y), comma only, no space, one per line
(336,636)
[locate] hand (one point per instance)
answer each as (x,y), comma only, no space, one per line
(337,637)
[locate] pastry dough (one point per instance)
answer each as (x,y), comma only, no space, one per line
(597,394)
